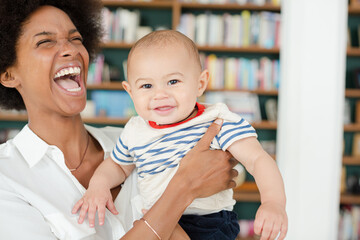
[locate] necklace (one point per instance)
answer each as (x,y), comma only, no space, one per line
(83,156)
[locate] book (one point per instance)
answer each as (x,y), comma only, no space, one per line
(211,66)
(232,30)
(245,15)
(120,24)
(271,110)
(112,104)
(201,29)
(230,65)
(243,103)
(242,73)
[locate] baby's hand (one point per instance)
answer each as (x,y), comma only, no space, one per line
(95,198)
(271,219)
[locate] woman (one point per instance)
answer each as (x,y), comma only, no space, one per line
(44,170)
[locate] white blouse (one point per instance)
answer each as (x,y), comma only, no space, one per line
(37,192)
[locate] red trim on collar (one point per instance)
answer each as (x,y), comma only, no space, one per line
(200,110)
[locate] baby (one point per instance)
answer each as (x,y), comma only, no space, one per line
(165,79)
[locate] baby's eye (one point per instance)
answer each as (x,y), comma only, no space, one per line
(146,85)
(173,81)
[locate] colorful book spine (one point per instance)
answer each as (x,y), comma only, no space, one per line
(242,73)
(233,30)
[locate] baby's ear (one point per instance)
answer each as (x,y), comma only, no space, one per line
(127,87)
(7,79)
(203,82)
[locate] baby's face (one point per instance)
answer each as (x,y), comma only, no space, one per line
(164,83)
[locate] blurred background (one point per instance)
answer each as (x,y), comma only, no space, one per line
(291,68)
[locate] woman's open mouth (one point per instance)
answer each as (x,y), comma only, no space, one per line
(69,79)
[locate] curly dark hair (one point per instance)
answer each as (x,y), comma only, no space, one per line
(85,14)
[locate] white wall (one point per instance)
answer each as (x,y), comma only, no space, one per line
(310,132)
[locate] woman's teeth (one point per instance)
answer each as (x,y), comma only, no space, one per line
(67,71)
(74,89)
(68,79)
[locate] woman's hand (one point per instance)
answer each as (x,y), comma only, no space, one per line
(202,172)
(207,171)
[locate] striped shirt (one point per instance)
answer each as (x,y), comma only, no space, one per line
(156,153)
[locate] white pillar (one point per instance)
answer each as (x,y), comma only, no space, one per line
(311,97)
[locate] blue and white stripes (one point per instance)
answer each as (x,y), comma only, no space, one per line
(167,149)
(161,154)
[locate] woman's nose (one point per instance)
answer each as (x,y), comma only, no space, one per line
(68,49)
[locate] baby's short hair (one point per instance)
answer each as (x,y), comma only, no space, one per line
(164,38)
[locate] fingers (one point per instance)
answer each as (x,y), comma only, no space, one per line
(211,132)
(266,231)
(258,225)
(283,231)
(232,160)
(110,205)
(82,214)
(91,215)
(77,206)
(233,173)
(232,184)
(275,230)
(269,230)
(101,214)
(144,211)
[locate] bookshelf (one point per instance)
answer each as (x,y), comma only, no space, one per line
(250,49)
(352,94)
(170,12)
(119,121)
(350,198)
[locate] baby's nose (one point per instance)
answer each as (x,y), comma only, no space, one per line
(160,93)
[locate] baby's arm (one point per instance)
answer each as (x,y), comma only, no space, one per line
(98,196)
(271,216)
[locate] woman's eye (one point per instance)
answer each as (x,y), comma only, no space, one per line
(172,82)
(43,41)
(80,39)
(146,86)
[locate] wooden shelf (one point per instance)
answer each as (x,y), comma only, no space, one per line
(231,6)
(353,52)
(106,120)
(259,92)
(347,198)
(118,86)
(354,9)
(106,86)
(141,4)
(247,192)
(13,117)
(120,121)
(172,3)
(351,160)
(353,127)
(352,93)
(266,125)
(93,120)
(250,49)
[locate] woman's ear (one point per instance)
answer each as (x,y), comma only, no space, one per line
(203,82)
(7,79)
(127,87)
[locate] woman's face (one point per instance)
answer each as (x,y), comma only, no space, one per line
(52,64)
